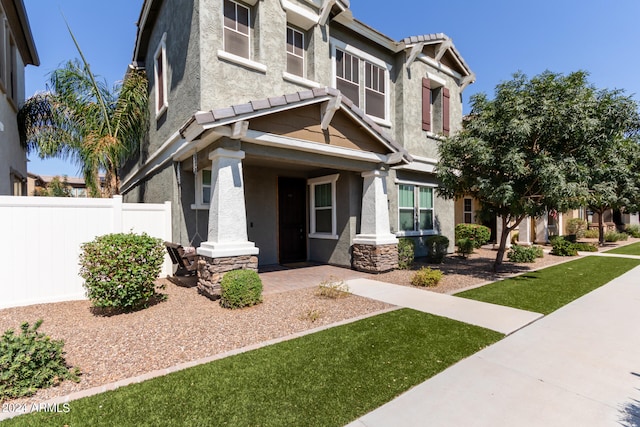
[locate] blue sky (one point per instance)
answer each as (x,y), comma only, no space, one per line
(495,37)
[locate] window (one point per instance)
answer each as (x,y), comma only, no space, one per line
(203,188)
(236,29)
(322,200)
(348,76)
(435,107)
(362,78)
(374,90)
(415,208)
(160,67)
(467,211)
(295,52)
(17,183)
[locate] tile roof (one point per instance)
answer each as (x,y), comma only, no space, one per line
(260,107)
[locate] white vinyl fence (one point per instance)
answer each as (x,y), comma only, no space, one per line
(41,238)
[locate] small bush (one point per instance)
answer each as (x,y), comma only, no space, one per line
(577,226)
(426,277)
(515,237)
(614,236)
(563,248)
(570,238)
(520,253)
(477,233)
(406,253)
(31,361)
(437,248)
(585,247)
(633,230)
(592,233)
(333,288)
(240,288)
(465,246)
(120,270)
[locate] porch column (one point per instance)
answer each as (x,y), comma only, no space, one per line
(524,232)
(227,247)
(375,249)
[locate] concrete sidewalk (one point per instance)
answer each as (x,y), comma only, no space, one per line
(491,316)
(579,366)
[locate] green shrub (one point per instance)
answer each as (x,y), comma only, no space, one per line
(406,253)
(332,288)
(426,277)
(465,246)
(437,248)
(515,237)
(577,226)
(120,270)
(614,236)
(585,247)
(240,288)
(633,230)
(592,233)
(570,238)
(477,233)
(520,253)
(562,248)
(31,361)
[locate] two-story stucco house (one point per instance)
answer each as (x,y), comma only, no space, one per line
(289,131)
(17,50)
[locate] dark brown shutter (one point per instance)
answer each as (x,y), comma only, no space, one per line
(445,111)
(426,105)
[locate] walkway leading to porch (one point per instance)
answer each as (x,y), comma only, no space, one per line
(276,279)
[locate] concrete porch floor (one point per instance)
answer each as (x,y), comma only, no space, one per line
(277,279)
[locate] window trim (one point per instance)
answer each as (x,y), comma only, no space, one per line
(416,209)
(465,211)
(161,52)
(312,183)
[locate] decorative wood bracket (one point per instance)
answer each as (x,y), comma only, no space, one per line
(330,109)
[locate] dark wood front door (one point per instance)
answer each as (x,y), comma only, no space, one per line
(292,219)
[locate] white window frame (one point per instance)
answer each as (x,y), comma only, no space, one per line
(161,52)
(200,187)
(235,30)
(312,183)
(364,57)
(303,57)
(417,209)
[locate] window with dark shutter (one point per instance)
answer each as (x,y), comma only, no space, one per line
(295,52)
(236,28)
(159,81)
(347,76)
(426,105)
(445,111)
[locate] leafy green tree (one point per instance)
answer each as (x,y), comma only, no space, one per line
(56,188)
(523,153)
(79,118)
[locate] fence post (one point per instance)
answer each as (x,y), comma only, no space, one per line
(117,214)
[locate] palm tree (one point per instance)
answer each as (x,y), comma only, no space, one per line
(80,119)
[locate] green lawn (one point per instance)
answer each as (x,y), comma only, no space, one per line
(547,290)
(632,249)
(325,379)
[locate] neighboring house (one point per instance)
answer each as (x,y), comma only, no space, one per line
(314,136)
(17,50)
(77,186)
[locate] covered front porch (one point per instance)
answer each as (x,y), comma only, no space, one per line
(305,180)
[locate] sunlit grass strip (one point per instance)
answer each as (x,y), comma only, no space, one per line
(546,290)
(632,249)
(325,379)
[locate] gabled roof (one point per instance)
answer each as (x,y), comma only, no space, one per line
(205,120)
(445,43)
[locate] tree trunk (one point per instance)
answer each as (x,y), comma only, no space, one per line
(502,248)
(601,227)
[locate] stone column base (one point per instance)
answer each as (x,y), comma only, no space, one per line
(375,258)
(211,270)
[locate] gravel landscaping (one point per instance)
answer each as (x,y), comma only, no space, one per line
(188,326)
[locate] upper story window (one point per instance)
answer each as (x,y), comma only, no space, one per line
(435,107)
(236,29)
(160,71)
(363,79)
(295,52)
(348,75)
